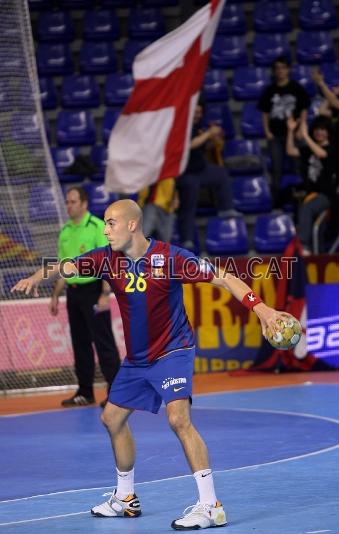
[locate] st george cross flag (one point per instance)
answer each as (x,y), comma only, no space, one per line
(150,140)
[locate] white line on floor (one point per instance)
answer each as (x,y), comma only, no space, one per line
(43,518)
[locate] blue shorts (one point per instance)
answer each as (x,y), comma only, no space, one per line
(144,388)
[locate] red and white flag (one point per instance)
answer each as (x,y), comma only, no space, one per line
(150,140)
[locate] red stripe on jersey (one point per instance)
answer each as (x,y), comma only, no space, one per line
(123,304)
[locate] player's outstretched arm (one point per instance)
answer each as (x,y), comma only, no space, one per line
(30,285)
(268,316)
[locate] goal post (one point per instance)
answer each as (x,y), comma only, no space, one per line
(32,211)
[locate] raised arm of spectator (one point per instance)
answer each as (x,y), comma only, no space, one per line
(211,133)
(330,96)
(316,149)
(291,149)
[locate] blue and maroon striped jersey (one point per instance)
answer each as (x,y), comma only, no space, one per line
(150,296)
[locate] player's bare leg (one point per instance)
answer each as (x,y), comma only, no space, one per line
(123,501)
(208,512)
(179,418)
(115,420)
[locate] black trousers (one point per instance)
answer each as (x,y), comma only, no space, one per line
(87,327)
(189,185)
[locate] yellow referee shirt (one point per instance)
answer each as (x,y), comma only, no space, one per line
(76,239)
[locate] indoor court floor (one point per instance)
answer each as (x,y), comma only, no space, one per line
(274,449)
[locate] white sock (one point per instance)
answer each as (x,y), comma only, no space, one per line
(125,484)
(204,480)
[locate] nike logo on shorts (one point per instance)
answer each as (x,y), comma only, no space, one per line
(178,389)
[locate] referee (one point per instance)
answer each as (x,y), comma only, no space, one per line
(81,233)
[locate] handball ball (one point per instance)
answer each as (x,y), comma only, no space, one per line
(288,336)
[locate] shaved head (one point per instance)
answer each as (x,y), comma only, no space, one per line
(127,209)
(123,226)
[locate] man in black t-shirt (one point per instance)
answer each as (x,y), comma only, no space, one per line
(318,165)
(282,99)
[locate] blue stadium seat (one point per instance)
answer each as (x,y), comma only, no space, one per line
(303,75)
(251,121)
(175,239)
(315,47)
(226,236)
(118,88)
(80,91)
(63,158)
(228,51)
(221,115)
(5,92)
(97,58)
(273,232)
(21,234)
(251,194)
(54,59)
(25,128)
(99,198)
(75,4)
(271,17)
(55,26)
(99,158)
(159,3)
(146,23)
(42,204)
(243,157)
(249,82)
(132,48)
(232,20)
(101,25)
(288,180)
(48,93)
(331,74)
(117,3)
(39,5)
(110,118)
(287,163)
(5,217)
(215,86)
(27,98)
(12,63)
(267,47)
(317,15)
(75,128)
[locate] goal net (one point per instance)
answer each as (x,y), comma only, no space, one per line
(31,214)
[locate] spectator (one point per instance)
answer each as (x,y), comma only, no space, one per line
(81,233)
(159,202)
(318,164)
(200,172)
(281,99)
(330,106)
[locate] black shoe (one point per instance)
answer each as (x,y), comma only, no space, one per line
(77,400)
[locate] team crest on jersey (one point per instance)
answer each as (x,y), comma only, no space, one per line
(157,264)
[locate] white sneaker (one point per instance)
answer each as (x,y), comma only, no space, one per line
(201,516)
(114,507)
